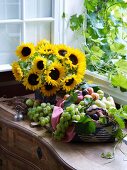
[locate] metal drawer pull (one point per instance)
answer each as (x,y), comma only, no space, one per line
(39,153)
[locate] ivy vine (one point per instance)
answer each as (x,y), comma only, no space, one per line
(105,37)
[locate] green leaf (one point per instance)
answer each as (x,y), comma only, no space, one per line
(118,48)
(120,121)
(71,99)
(103,120)
(121,66)
(76,22)
(125,108)
(88,127)
(107,155)
(119,80)
(97,51)
(119,134)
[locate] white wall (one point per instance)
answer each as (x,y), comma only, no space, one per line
(71,38)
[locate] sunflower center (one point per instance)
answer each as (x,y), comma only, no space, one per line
(40,65)
(74,59)
(32,79)
(26,51)
(62,52)
(54,74)
(48,87)
(69,82)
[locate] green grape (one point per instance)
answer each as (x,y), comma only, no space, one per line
(82,114)
(48,108)
(45,111)
(66,124)
(74,117)
(39,109)
(77,117)
(62,120)
(42,122)
(35,117)
(30,102)
(82,103)
(46,120)
(72,112)
(43,105)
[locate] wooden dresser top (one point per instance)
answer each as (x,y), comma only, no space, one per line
(78,156)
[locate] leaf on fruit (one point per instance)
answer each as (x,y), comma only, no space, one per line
(85,126)
(70,100)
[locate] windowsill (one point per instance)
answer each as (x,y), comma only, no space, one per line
(5,67)
(105,85)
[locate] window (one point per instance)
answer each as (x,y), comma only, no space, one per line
(26,21)
(77,39)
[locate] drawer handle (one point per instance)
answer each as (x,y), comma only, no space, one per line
(0,129)
(1,162)
(39,153)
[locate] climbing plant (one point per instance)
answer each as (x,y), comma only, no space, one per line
(105,38)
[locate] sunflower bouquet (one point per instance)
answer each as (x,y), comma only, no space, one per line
(48,68)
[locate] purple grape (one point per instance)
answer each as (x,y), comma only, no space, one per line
(95,117)
(84,92)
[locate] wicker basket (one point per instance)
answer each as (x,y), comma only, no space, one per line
(103,133)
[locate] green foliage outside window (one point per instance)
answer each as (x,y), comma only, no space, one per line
(105,38)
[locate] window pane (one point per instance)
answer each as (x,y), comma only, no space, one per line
(38,31)
(38,8)
(10,9)
(10,38)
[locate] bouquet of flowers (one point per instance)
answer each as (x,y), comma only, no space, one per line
(49,67)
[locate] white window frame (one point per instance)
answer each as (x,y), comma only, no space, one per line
(54,20)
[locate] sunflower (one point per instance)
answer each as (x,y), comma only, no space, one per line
(25,50)
(69,83)
(55,73)
(41,43)
(32,81)
(49,89)
(61,51)
(17,72)
(76,58)
(39,64)
(47,49)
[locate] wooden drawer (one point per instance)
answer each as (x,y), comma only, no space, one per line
(8,162)
(45,158)
(26,146)
(3,133)
(29,148)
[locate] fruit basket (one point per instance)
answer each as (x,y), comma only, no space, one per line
(103,133)
(83,115)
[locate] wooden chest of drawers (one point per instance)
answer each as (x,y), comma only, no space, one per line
(21,149)
(26,148)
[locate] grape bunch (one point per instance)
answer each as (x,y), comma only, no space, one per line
(39,112)
(72,113)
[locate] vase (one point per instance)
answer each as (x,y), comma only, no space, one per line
(45,99)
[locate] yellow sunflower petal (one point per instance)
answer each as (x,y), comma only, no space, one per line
(49,89)
(39,64)
(47,49)
(69,83)
(25,50)
(17,72)
(55,73)
(32,81)
(41,43)
(61,51)
(76,58)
